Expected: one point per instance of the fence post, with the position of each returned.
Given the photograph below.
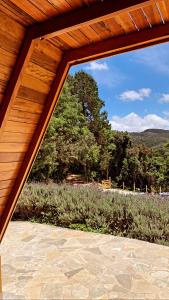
(134, 187)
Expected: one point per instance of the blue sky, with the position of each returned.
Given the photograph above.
(134, 87)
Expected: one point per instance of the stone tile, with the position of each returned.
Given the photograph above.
(47, 262)
(124, 280)
(73, 272)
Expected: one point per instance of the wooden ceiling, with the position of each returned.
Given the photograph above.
(122, 24)
(39, 41)
(28, 12)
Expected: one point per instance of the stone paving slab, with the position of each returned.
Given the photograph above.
(46, 262)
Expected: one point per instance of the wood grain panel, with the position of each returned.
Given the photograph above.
(13, 147)
(9, 166)
(6, 58)
(15, 13)
(40, 73)
(35, 84)
(86, 16)
(2, 206)
(80, 37)
(23, 117)
(6, 184)
(152, 14)
(69, 40)
(7, 25)
(101, 29)
(3, 85)
(45, 61)
(120, 44)
(11, 156)
(5, 72)
(62, 5)
(91, 33)
(164, 6)
(9, 43)
(32, 95)
(47, 7)
(114, 26)
(30, 9)
(124, 20)
(15, 79)
(27, 106)
(19, 127)
(4, 193)
(60, 43)
(46, 55)
(3, 201)
(7, 175)
(14, 137)
(37, 139)
(1, 97)
(45, 47)
(139, 19)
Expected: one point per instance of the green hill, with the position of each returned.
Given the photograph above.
(150, 137)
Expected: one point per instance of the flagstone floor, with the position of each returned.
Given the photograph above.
(47, 262)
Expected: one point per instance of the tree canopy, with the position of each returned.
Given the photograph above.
(80, 140)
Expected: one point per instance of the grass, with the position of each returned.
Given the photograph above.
(88, 209)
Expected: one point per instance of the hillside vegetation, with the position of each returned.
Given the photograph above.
(150, 137)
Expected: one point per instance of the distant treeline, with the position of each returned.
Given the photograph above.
(80, 140)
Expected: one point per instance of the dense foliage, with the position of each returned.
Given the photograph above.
(89, 209)
(80, 140)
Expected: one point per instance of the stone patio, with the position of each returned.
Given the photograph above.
(47, 262)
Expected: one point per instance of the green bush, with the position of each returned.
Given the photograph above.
(87, 208)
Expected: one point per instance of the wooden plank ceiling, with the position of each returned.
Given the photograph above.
(39, 41)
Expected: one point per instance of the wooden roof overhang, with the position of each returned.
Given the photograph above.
(39, 41)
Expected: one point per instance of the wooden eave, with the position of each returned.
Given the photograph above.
(50, 37)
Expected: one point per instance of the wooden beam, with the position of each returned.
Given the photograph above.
(35, 144)
(113, 46)
(85, 16)
(16, 77)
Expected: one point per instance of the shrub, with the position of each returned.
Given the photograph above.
(87, 208)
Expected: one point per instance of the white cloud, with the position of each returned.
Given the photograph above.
(164, 98)
(133, 95)
(97, 66)
(135, 123)
(156, 57)
(166, 113)
(106, 75)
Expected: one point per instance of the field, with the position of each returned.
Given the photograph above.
(144, 217)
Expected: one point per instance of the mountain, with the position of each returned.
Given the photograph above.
(150, 137)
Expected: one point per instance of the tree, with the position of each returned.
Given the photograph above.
(45, 163)
(80, 140)
(122, 142)
(85, 88)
